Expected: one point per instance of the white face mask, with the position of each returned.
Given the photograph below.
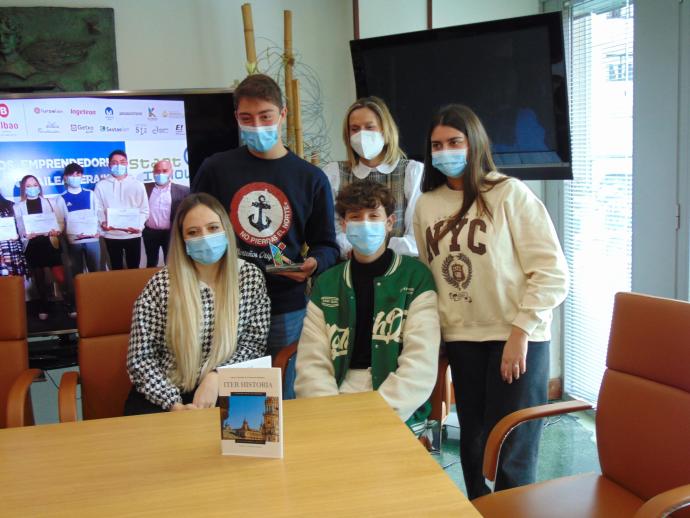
(367, 144)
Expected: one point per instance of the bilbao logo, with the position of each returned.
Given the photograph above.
(4, 110)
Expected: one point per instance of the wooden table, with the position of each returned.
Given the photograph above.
(344, 456)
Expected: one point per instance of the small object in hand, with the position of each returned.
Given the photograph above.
(282, 268)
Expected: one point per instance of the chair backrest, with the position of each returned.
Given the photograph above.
(643, 414)
(104, 317)
(14, 352)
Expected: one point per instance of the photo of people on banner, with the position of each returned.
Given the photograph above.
(85, 196)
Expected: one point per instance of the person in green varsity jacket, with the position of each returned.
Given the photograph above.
(372, 321)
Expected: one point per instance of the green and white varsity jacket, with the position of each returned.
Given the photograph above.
(405, 338)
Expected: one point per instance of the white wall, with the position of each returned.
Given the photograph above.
(460, 12)
(384, 17)
(661, 131)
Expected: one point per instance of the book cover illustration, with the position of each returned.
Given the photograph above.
(251, 412)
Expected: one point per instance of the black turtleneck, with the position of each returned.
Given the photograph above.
(363, 275)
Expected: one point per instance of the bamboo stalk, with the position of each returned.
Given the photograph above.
(289, 61)
(299, 143)
(249, 38)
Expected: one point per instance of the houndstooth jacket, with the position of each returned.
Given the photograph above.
(149, 359)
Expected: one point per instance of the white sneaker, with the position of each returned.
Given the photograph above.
(43, 316)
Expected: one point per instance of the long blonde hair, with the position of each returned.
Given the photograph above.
(391, 148)
(185, 315)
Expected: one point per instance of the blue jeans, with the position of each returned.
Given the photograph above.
(88, 253)
(286, 329)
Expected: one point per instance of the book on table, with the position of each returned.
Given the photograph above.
(251, 411)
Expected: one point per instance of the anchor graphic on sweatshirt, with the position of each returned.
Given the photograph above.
(260, 224)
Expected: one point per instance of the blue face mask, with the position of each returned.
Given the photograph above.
(74, 181)
(33, 192)
(450, 162)
(118, 170)
(207, 249)
(161, 179)
(259, 138)
(366, 236)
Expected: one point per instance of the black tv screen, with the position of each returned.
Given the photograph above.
(510, 72)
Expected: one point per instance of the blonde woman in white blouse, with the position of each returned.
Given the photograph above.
(371, 139)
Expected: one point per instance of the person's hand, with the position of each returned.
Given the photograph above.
(514, 360)
(132, 230)
(206, 393)
(180, 406)
(54, 233)
(308, 268)
(31, 235)
(81, 236)
(105, 227)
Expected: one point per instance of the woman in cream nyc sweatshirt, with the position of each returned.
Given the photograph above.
(500, 272)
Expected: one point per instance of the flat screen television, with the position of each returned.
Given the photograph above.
(41, 133)
(510, 72)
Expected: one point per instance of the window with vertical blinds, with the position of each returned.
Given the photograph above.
(598, 201)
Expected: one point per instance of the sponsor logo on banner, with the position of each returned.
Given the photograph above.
(152, 113)
(79, 112)
(50, 127)
(7, 128)
(109, 113)
(173, 114)
(43, 111)
(113, 129)
(130, 114)
(179, 129)
(160, 131)
(141, 129)
(81, 128)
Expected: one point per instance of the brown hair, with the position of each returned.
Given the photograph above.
(479, 162)
(364, 194)
(259, 86)
(22, 187)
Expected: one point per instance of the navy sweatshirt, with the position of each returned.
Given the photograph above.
(286, 202)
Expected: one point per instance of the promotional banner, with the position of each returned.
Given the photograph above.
(41, 136)
(47, 160)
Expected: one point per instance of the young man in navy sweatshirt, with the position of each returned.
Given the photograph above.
(278, 203)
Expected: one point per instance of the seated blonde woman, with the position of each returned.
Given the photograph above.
(204, 310)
